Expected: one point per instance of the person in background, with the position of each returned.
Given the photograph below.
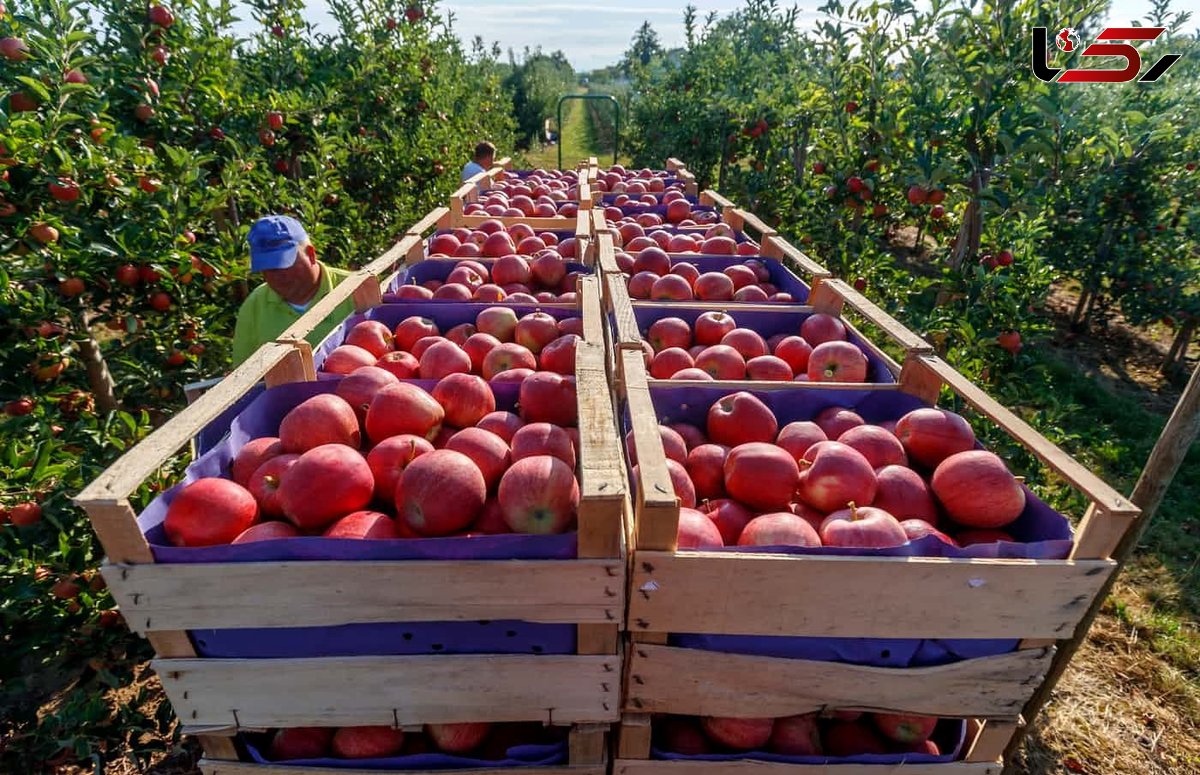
(293, 281)
(485, 154)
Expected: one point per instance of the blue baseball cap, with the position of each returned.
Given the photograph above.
(273, 242)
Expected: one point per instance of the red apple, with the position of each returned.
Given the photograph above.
(252, 455)
(505, 357)
(500, 322)
(414, 293)
(443, 358)
(769, 368)
(671, 287)
(687, 271)
(919, 528)
(440, 493)
(487, 451)
(669, 362)
(697, 531)
(264, 483)
(837, 362)
(742, 276)
(652, 259)
(443, 244)
(539, 495)
(680, 735)
(880, 447)
(761, 475)
(209, 512)
(300, 742)
(559, 355)
(327, 482)
(549, 269)
(401, 365)
(748, 343)
(742, 734)
(905, 728)
(691, 435)
(542, 438)
(641, 284)
(978, 490)
(711, 327)
(797, 437)
(266, 531)
(466, 399)
(903, 493)
(367, 742)
(424, 343)
(741, 418)
(461, 333)
(503, 424)
(363, 526)
(477, 347)
(796, 736)
(360, 386)
(837, 476)
(673, 444)
(706, 467)
(730, 517)
(796, 352)
(669, 332)
(323, 419)
(932, 435)
(403, 408)
(388, 459)
(752, 294)
(819, 328)
(514, 376)
(836, 420)
(372, 336)
(852, 739)
(409, 330)
(536, 330)
(458, 738)
(347, 358)
(714, 286)
(862, 526)
(722, 362)
(548, 397)
(779, 529)
(692, 374)
(498, 244)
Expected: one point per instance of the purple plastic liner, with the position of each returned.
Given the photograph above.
(440, 270)
(518, 756)
(1041, 533)
(445, 315)
(261, 418)
(950, 735)
(766, 323)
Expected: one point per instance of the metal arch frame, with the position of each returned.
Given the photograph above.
(602, 97)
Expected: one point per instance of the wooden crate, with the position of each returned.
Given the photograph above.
(217, 698)
(469, 192)
(1037, 602)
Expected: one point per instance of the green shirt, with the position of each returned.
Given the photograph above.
(264, 315)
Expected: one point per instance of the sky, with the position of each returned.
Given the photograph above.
(595, 36)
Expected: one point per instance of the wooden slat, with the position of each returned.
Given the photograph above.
(296, 366)
(1105, 497)
(774, 594)
(602, 468)
(628, 333)
(428, 222)
(633, 741)
(916, 380)
(732, 217)
(212, 767)
(588, 744)
(309, 594)
(124, 476)
(1100, 533)
(877, 317)
(674, 164)
(991, 741)
(710, 683)
(392, 691)
(583, 224)
(754, 222)
(115, 523)
(777, 247)
(656, 518)
(710, 197)
(749, 767)
(868, 345)
(606, 253)
(593, 310)
(219, 748)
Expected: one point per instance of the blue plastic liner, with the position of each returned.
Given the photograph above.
(765, 323)
(1040, 533)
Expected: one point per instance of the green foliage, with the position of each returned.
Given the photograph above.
(535, 86)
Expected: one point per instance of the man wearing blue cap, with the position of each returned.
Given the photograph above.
(294, 280)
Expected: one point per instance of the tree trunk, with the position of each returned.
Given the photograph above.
(1085, 293)
(99, 378)
(800, 156)
(966, 245)
(1177, 355)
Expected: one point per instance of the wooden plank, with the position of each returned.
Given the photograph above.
(296, 366)
(991, 741)
(732, 217)
(583, 224)
(710, 683)
(867, 344)
(754, 222)
(593, 310)
(1104, 496)
(606, 254)
(1100, 533)
(309, 594)
(750, 767)
(218, 748)
(674, 164)
(602, 468)
(588, 744)
(712, 198)
(116, 526)
(877, 317)
(628, 333)
(878, 597)
(392, 691)
(600, 223)
(125, 475)
(633, 741)
(777, 247)
(916, 380)
(431, 220)
(212, 767)
(656, 518)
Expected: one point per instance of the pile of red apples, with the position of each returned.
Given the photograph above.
(541, 194)
(715, 347)
(381, 458)
(499, 346)
(835, 480)
(477, 740)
